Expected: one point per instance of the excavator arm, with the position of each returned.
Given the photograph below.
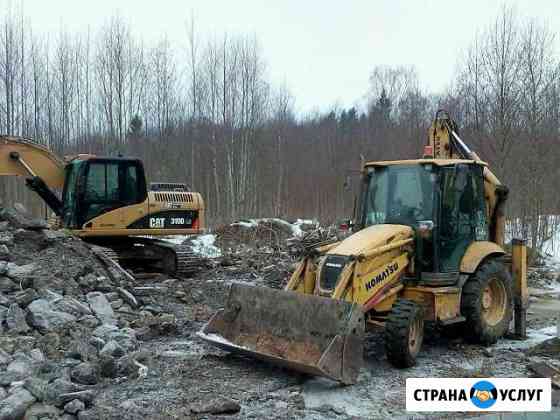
(43, 171)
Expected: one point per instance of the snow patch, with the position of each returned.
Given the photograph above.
(246, 223)
(204, 245)
(294, 227)
(534, 337)
(319, 392)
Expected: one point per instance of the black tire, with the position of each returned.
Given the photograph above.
(487, 322)
(401, 350)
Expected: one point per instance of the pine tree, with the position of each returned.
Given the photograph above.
(135, 127)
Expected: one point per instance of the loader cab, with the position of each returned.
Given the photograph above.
(443, 201)
(96, 186)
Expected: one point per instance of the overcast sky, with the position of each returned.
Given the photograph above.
(323, 50)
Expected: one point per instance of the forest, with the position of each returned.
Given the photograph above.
(209, 115)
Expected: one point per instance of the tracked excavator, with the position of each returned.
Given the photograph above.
(428, 247)
(106, 201)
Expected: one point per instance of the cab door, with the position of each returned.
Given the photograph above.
(110, 185)
(462, 213)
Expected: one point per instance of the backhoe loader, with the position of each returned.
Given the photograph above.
(428, 247)
(107, 202)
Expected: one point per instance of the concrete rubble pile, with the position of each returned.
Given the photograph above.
(69, 319)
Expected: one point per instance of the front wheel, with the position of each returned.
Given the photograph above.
(404, 333)
(487, 303)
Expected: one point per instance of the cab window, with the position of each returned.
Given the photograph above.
(110, 185)
(130, 192)
(102, 183)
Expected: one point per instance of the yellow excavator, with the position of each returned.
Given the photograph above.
(106, 201)
(428, 247)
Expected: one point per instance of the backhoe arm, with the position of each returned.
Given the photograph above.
(43, 171)
(445, 143)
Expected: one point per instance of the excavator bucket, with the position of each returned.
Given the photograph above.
(307, 333)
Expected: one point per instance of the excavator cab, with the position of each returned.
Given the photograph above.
(99, 185)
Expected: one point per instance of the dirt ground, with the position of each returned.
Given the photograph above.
(81, 340)
(185, 372)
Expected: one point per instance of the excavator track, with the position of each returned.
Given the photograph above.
(154, 255)
(187, 261)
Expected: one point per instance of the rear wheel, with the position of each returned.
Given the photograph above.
(404, 333)
(487, 303)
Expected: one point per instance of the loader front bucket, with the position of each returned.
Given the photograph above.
(307, 333)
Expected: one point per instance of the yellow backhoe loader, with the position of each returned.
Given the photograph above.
(106, 201)
(428, 247)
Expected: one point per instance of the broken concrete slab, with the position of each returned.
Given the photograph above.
(116, 304)
(86, 396)
(6, 238)
(21, 366)
(125, 337)
(73, 306)
(221, 405)
(62, 386)
(40, 411)
(4, 301)
(7, 285)
(19, 272)
(15, 319)
(112, 349)
(101, 307)
(38, 387)
(127, 297)
(85, 373)
(74, 406)
(25, 297)
(13, 407)
(5, 358)
(44, 317)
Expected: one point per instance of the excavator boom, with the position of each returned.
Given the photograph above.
(22, 157)
(43, 171)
